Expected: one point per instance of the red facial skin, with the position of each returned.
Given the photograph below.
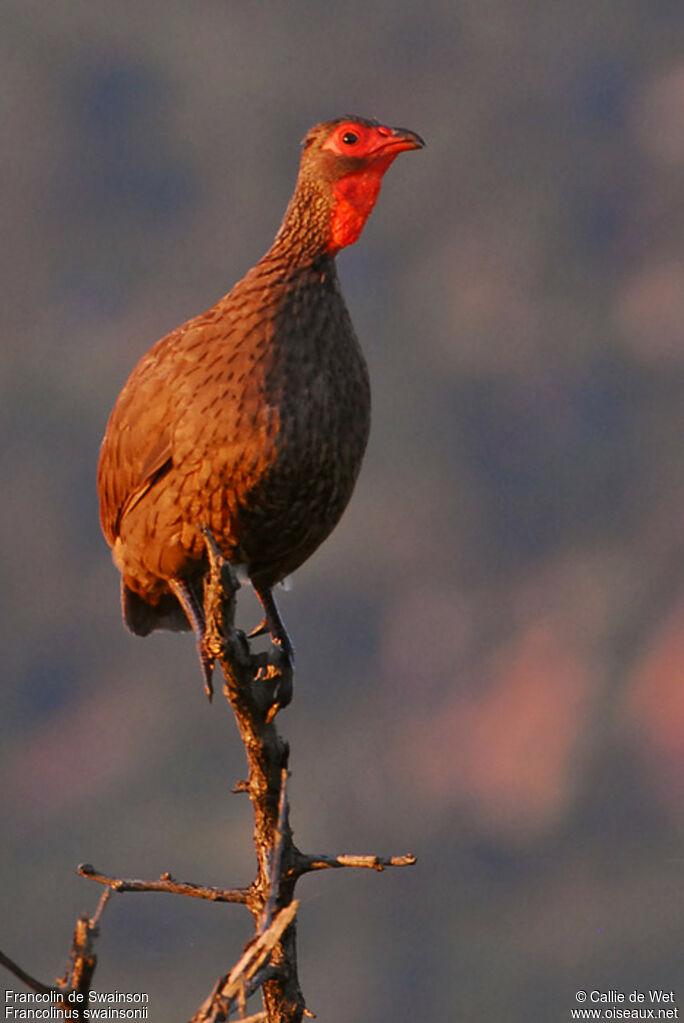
(375, 147)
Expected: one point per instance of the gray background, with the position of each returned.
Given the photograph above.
(490, 652)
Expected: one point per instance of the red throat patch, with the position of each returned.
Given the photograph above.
(355, 196)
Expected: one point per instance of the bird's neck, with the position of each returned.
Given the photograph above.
(323, 218)
(304, 235)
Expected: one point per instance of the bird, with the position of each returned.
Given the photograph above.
(250, 421)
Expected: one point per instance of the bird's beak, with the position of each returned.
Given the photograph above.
(396, 140)
(402, 138)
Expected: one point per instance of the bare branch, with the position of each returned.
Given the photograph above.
(379, 863)
(165, 883)
(104, 899)
(78, 975)
(251, 687)
(246, 976)
(24, 977)
(253, 683)
(276, 856)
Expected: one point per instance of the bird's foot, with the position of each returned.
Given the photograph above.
(218, 639)
(279, 665)
(276, 669)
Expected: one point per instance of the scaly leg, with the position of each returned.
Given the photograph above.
(195, 615)
(273, 623)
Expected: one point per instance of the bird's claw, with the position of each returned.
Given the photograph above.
(261, 629)
(207, 663)
(277, 670)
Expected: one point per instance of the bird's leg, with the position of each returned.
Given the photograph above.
(273, 623)
(195, 615)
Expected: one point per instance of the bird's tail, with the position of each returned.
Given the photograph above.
(143, 618)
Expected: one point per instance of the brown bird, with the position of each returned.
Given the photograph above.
(252, 418)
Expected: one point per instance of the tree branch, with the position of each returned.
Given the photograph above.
(252, 684)
(379, 863)
(165, 883)
(251, 687)
(276, 857)
(247, 975)
(78, 976)
(24, 977)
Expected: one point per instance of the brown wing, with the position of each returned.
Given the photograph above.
(137, 442)
(191, 396)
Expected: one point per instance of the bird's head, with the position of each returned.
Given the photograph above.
(344, 161)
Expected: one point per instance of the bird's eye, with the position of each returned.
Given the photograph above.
(350, 138)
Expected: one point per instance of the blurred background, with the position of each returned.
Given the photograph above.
(491, 646)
